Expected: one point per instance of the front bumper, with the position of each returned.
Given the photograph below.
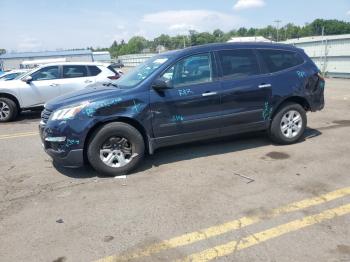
(67, 156)
(74, 158)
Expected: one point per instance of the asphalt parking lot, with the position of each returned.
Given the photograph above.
(235, 199)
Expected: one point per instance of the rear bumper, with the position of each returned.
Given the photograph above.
(317, 106)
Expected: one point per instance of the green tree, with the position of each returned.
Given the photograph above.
(219, 35)
(138, 43)
(163, 40)
(242, 31)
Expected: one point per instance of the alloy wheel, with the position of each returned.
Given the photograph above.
(4, 110)
(291, 124)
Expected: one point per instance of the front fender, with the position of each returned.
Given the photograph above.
(12, 93)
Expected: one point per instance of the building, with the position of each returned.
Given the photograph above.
(161, 49)
(102, 56)
(10, 61)
(330, 53)
(249, 39)
(134, 59)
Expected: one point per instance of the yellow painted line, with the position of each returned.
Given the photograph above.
(216, 230)
(255, 239)
(16, 135)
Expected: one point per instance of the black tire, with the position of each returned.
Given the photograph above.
(115, 129)
(10, 107)
(275, 131)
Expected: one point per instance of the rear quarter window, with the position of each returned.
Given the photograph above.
(94, 70)
(278, 60)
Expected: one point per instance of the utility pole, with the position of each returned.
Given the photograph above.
(285, 33)
(324, 43)
(277, 26)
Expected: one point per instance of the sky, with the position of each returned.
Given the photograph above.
(37, 25)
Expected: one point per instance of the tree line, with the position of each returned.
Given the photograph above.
(137, 44)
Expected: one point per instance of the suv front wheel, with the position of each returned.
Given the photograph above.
(8, 109)
(288, 124)
(115, 149)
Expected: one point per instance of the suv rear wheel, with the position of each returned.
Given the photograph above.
(8, 109)
(115, 149)
(289, 124)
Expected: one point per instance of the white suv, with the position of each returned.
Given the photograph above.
(35, 88)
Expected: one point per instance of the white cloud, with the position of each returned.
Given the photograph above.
(179, 21)
(29, 44)
(183, 26)
(247, 4)
(348, 13)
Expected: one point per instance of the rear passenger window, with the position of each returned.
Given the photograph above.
(238, 63)
(277, 60)
(94, 70)
(73, 71)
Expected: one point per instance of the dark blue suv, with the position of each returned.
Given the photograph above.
(181, 96)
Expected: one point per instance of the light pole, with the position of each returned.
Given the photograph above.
(277, 26)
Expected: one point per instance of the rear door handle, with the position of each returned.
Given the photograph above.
(88, 81)
(209, 94)
(54, 84)
(264, 85)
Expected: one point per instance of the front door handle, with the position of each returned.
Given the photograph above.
(54, 84)
(88, 81)
(209, 94)
(264, 85)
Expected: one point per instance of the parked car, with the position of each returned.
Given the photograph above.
(11, 75)
(181, 96)
(46, 82)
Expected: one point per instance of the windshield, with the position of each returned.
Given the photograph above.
(141, 72)
(26, 73)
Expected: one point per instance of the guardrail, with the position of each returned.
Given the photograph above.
(134, 59)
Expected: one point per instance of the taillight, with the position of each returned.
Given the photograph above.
(115, 77)
(320, 76)
(321, 81)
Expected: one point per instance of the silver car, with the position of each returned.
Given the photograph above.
(35, 88)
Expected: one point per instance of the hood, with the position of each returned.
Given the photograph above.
(12, 84)
(91, 93)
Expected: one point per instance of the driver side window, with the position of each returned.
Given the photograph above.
(191, 70)
(46, 73)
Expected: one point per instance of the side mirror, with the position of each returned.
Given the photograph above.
(161, 84)
(27, 79)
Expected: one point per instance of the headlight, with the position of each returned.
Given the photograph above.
(68, 112)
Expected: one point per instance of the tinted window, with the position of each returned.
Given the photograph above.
(191, 70)
(46, 73)
(94, 70)
(238, 63)
(277, 60)
(73, 71)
